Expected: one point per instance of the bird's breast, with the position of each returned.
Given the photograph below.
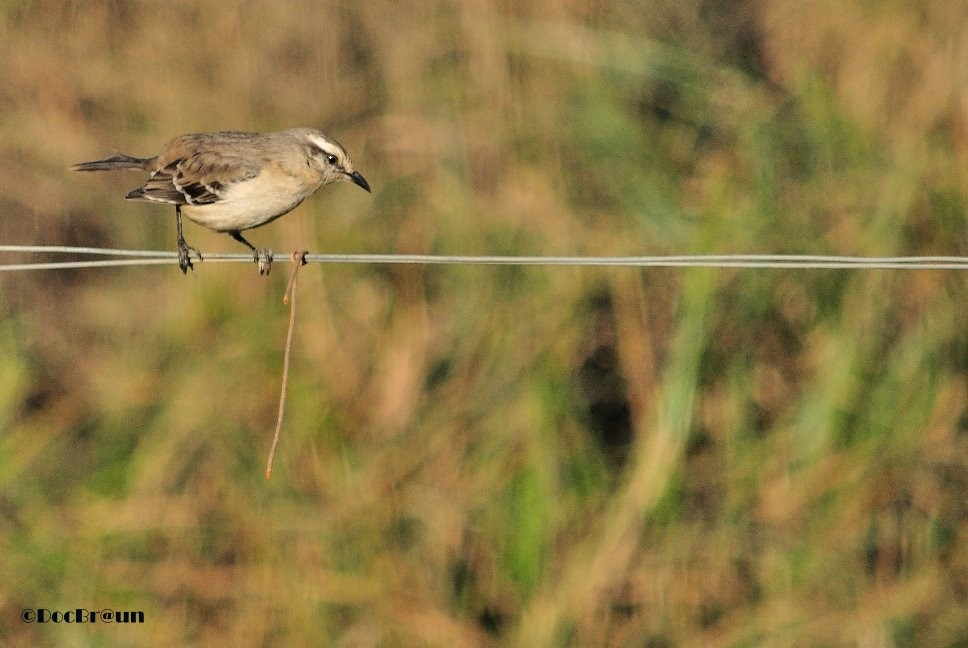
(252, 203)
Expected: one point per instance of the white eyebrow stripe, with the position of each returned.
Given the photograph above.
(325, 145)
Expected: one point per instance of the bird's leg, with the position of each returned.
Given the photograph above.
(261, 256)
(184, 249)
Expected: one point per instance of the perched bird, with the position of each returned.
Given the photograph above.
(232, 181)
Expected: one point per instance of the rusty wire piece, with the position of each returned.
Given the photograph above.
(298, 260)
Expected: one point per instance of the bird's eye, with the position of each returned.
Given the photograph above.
(331, 159)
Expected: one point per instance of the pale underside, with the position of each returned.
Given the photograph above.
(228, 192)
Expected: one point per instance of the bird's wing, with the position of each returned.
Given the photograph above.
(201, 177)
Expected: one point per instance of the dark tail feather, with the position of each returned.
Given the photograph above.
(119, 161)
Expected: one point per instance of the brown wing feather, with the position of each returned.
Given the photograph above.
(198, 169)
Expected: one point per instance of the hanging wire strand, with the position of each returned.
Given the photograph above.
(778, 261)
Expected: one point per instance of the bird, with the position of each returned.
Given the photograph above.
(231, 181)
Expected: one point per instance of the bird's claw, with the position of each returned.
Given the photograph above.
(184, 256)
(264, 258)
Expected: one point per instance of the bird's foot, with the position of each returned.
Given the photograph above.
(184, 256)
(264, 258)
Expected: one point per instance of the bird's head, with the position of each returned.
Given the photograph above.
(330, 160)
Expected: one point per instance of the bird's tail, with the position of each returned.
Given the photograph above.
(119, 161)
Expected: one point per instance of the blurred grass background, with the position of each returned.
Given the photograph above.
(496, 456)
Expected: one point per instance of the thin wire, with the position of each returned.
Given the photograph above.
(777, 261)
(716, 261)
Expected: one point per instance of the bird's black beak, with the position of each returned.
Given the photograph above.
(359, 180)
